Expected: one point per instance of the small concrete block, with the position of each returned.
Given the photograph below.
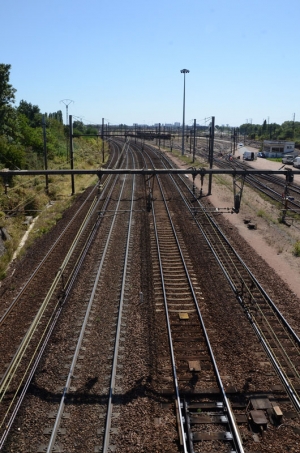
(183, 315)
(256, 438)
(157, 421)
(194, 365)
(277, 413)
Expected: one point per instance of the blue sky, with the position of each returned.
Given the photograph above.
(121, 60)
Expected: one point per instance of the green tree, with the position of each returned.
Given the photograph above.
(12, 155)
(7, 98)
(32, 112)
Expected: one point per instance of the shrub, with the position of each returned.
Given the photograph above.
(296, 249)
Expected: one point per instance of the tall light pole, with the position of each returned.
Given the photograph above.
(183, 71)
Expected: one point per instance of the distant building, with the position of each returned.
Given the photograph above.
(177, 124)
(277, 148)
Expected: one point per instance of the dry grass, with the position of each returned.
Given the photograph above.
(28, 196)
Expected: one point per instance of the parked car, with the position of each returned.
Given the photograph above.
(260, 154)
(296, 162)
(288, 159)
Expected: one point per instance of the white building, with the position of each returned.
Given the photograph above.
(277, 148)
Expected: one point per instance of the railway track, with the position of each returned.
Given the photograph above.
(105, 380)
(277, 189)
(39, 317)
(114, 325)
(189, 344)
(279, 339)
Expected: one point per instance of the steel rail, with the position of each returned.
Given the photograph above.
(59, 306)
(54, 314)
(234, 430)
(118, 329)
(211, 220)
(55, 245)
(48, 254)
(287, 385)
(51, 444)
(179, 404)
(16, 361)
(257, 184)
(8, 375)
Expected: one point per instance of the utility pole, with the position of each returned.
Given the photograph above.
(294, 126)
(183, 71)
(159, 136)
(67, 102)
(194, 147)
(211, 152)
(71, 153)
(234, 136)
(45, 151)
(102, 136)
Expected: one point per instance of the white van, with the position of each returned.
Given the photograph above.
(296, 162)
(249, 155)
